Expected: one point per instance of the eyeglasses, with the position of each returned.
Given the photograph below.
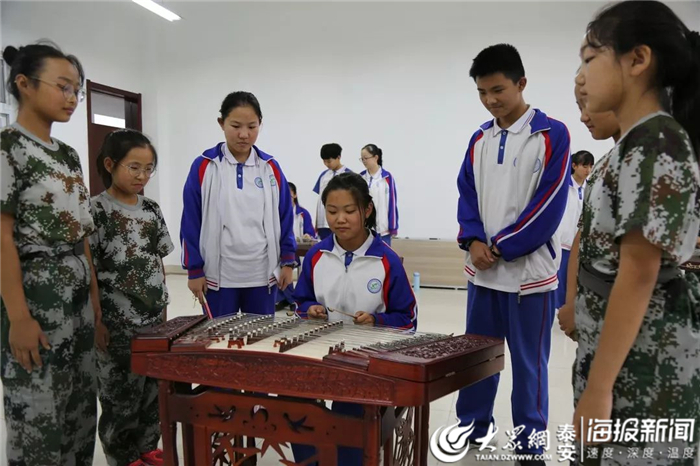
(68, 89)
(367, 158)
(135, 171)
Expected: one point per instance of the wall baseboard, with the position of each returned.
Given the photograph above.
(439, 262)
(175, 270)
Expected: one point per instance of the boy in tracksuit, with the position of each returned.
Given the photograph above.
(513, 189)
(331, 155)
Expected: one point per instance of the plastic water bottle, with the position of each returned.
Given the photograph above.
(416, 281)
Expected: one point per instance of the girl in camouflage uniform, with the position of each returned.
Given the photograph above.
(128, 247)
(637, 315)
(47, 339)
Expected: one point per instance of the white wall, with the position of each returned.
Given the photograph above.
(394, 74)
(106, 37)
(6, 107)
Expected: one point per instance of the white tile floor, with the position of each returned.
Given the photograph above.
(441, 311)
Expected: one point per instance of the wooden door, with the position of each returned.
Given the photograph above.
(97, 132)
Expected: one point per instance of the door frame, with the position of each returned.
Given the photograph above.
(133, 117)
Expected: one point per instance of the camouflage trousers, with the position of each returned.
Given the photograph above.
(660, 378)
(51, 412)
(129, 424)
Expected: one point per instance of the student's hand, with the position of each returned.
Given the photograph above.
(481, 255)
(25, 337)
(566, 320)
(285, 277)
(198, 287)
(317, 312)
(594, 404)
(363, 318)
(101, 336)
(307, 237)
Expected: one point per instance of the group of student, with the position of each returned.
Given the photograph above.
(382, 188)
(79, 273)
(241, 219)
(622, 235)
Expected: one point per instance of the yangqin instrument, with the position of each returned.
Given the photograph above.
(269, 377)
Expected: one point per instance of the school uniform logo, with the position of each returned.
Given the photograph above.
(258, 182)
(273, 181)
(538, 166)
(374, 286)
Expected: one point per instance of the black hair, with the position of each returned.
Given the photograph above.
(293, 187)
(240, 99)
(359, 190)
(626, 25)
(331, 151)
(116, 145)
(582, 157)
(29, 61)
(374, 150)
(499, 58)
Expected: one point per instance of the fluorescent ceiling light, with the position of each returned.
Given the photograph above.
(157, 9)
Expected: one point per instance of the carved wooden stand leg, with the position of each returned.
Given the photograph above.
(187, 445)
(404, 439)
(215, 423)
(422, 432)
(167, 428)
(372, 435)
(401, 440)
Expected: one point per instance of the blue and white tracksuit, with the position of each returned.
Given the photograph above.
(513, 189)
(382, 188)
(303, 225)
(204, 218)
(324, 178)
(567, 233)
(371, 279)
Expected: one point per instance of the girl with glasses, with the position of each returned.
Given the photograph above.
(128, 250)
(47, 359)
(382, 187)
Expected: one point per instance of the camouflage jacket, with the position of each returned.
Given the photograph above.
(128, 247)
(42, 187)
(649, 181)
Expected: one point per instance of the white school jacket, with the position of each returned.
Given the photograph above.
(374, 282)
(513, 189)
(574, 207)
